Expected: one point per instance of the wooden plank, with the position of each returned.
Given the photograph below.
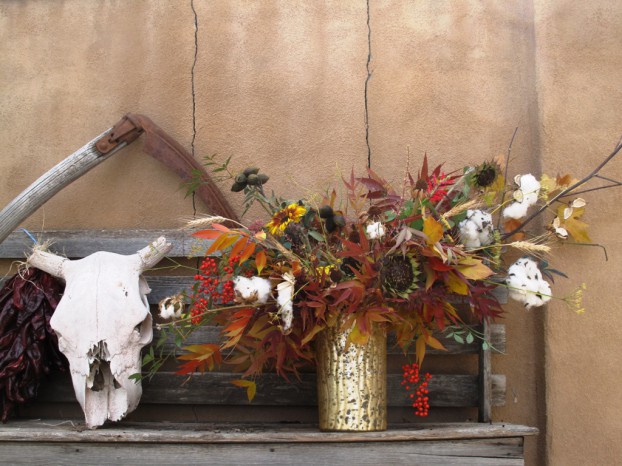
(446, 390)
(210, 334)
(35, 430)
(447, 453)
(80, 243)
(485, 378)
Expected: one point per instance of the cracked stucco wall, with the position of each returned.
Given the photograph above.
(308, 89)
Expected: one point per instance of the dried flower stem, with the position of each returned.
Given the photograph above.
(566, 191)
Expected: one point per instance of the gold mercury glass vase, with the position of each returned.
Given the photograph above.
(352, 383)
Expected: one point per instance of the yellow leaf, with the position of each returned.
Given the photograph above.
(433, 230)
(575, 227)
(434, 343)
(357, 337)
(456, 284)
(474, 269)
(251, 387)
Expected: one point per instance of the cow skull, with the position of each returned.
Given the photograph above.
(102, 323)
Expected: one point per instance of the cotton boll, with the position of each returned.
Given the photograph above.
(255, 290)
(527, 285)
(476, 229)
(516, 210)
(526, 196)
(285, 296)
(375, 230)
(171, 307)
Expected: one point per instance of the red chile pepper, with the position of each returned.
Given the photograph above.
(28, 345)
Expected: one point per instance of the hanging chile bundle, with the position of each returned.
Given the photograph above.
(28, 345)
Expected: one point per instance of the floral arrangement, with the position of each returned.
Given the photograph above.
(420, 260)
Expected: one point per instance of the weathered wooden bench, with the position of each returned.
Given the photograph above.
(207, 419)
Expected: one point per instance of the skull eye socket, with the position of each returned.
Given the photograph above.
(144, 330)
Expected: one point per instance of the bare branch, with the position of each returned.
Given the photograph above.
(567, 191)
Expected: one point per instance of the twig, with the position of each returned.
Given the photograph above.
(566, 191)
(505, 174)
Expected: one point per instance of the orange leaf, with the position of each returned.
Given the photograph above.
(217, 245)
(218, 226)
(511, 225)
(420, 349)
(239, 246)
(434, 343)
(247, 252)
(207, 234)
(251, 387)
(260, 261)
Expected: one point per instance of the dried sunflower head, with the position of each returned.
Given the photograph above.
(399, 274)
(486, 174)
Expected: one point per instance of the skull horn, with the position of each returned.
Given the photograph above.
(48, 262)
(152, 254)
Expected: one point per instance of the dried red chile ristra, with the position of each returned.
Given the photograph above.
(28, 345)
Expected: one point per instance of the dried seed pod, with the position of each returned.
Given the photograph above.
(241, 178)
(340, 221)
(326, 211)
(237, 187)
(250, 171)
(252, 179)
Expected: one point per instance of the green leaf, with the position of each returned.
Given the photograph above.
(459, 339)
(316, 235)
(469, 338)
(485, 345)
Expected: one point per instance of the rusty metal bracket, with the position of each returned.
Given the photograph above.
(125, 130)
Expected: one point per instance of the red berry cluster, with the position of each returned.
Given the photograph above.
(214, 288)
(411, 381)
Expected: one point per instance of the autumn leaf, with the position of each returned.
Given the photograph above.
(207, 234)
(575, 227)
(358, 337)
(456, 284)
(200, 357)
(473, 269)
(260, 261)
(251, 387)
(434, 343)
(420, 349)
(511, 225)
(433, 230)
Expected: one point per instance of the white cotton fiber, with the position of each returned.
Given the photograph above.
(252, 290)
(476, 229)
(526, 196)
(526, 284)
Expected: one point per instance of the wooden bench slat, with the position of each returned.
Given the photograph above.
(54, 430)
(210, 334)
(81, 243)
(446, 390)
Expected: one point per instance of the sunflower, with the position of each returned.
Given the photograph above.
(399, 274)
(292, 213)
(486, 174)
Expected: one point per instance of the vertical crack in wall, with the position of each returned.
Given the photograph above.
(194, 104)
(367, 79)
(194, 64)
